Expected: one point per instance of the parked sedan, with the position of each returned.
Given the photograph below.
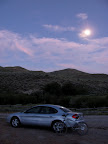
(47, 115)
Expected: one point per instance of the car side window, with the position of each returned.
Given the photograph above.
(65, 109)
(52, 110)
(48, 110)
(34, 110)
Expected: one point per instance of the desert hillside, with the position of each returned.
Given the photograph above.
(22, 80)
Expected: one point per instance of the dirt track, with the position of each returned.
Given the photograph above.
(98, 133)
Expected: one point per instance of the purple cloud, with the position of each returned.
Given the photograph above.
(82, 16)
(57, 53)
(13, 41)
(58, 28)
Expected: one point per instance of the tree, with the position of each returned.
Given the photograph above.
(68, 89)
(53, 88)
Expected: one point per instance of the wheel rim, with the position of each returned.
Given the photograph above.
(15, 122)
(59, 127)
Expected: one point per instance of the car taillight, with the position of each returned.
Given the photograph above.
(75, 116)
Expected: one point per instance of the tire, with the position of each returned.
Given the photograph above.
(59, 127)
(82, 128)
(15, 122)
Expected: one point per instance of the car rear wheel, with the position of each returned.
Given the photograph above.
(15, 122)
(59, 127)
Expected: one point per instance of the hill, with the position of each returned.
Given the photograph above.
(12, 69)
(21, 80)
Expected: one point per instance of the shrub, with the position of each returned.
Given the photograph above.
(80, 89)
(71, 89)
(65, 101)
(53, 88)
(68, 89)
(91, 101)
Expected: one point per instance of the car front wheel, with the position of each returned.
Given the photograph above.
(15, 122)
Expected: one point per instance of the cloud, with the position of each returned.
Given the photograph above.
(82, 16)
(13, 42)
(100, 54)
(58, 28)
(47, 54)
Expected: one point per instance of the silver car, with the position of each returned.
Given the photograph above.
(55, 116)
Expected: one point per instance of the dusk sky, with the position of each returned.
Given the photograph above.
(51, 35)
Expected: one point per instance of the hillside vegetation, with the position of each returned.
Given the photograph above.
(65, 86)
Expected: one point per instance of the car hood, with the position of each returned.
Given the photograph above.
(15, 114)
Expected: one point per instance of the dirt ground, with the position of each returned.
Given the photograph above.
(97, 134)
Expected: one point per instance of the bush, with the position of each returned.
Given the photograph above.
(51, 99)
(107, 97)
(65, 101)
(71, 89)
(68, 89)
(53, 88)
(80, 89)
(15, 98)
(81, 102)
(91, 102)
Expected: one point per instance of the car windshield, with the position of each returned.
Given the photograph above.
(65, 109)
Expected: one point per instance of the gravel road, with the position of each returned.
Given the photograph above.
(97, 134)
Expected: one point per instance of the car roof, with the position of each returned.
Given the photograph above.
(50, 105)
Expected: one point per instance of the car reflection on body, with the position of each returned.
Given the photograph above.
(48, 115)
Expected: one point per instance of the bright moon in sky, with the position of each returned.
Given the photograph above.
(87, 32)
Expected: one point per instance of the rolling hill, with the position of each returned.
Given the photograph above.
(22, 80)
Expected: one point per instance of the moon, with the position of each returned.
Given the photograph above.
(87, 32)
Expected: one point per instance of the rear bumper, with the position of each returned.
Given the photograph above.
(71, 123)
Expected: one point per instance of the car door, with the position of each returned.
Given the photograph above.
(31, 116)
(46, 115)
